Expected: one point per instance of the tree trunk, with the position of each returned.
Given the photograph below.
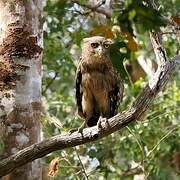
(20, 81)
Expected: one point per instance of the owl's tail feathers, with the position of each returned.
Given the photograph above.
(93, 120)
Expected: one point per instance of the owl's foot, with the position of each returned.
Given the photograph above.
(102, 121)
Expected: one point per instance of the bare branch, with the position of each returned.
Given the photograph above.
(82, 165)
(115, 123)
(95, 8)
(159, 50)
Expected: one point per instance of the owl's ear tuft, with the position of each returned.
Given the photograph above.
(85, 40)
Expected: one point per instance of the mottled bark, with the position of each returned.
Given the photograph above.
(20, 80)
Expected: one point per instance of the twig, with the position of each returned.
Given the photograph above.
(94, 8)
(132, 172)
(141, 148)
(50, 82)
(84, 169)
(74, 167)
(169, 32)
(162, 139)
(160, 115)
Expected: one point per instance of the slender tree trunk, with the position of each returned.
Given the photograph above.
(20, 81)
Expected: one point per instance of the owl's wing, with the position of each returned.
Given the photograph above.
(116, 95)
(78, 91)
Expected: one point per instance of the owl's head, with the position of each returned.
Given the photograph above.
(97, 46)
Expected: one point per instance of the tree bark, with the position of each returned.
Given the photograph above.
(20, 81)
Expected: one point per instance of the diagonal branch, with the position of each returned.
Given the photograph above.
(115, 123)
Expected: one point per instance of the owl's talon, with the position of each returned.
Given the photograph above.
(80, 129)
(100, 121)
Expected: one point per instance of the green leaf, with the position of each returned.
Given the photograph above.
(118, 57)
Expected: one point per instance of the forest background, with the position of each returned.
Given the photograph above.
(146, 149)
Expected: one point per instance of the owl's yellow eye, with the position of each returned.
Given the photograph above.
(94, 45)
(106, 46)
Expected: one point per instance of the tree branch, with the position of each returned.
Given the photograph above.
(115, 123)
(132, 172)
(169, 21)
(108, 14)
(95, 8)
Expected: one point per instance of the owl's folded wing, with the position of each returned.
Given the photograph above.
(116, 96)
(79, 92)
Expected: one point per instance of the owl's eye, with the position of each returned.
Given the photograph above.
(94, 45)
(106, 46)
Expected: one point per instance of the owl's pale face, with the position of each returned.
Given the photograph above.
(98, 46)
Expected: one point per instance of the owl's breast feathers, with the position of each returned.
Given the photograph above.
(98, 77)
(93, 65)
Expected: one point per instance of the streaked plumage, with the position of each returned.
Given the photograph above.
(99, 88)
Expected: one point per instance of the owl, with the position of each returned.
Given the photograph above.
(99, 88)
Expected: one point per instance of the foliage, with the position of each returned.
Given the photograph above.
(149, 143)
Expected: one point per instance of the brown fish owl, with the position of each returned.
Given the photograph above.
(99, 88)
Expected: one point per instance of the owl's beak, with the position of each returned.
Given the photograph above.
(100, 51)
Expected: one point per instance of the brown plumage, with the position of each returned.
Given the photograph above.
(99, 88)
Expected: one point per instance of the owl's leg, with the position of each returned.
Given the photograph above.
(80, 129)
(87, 105)
(83, 125)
